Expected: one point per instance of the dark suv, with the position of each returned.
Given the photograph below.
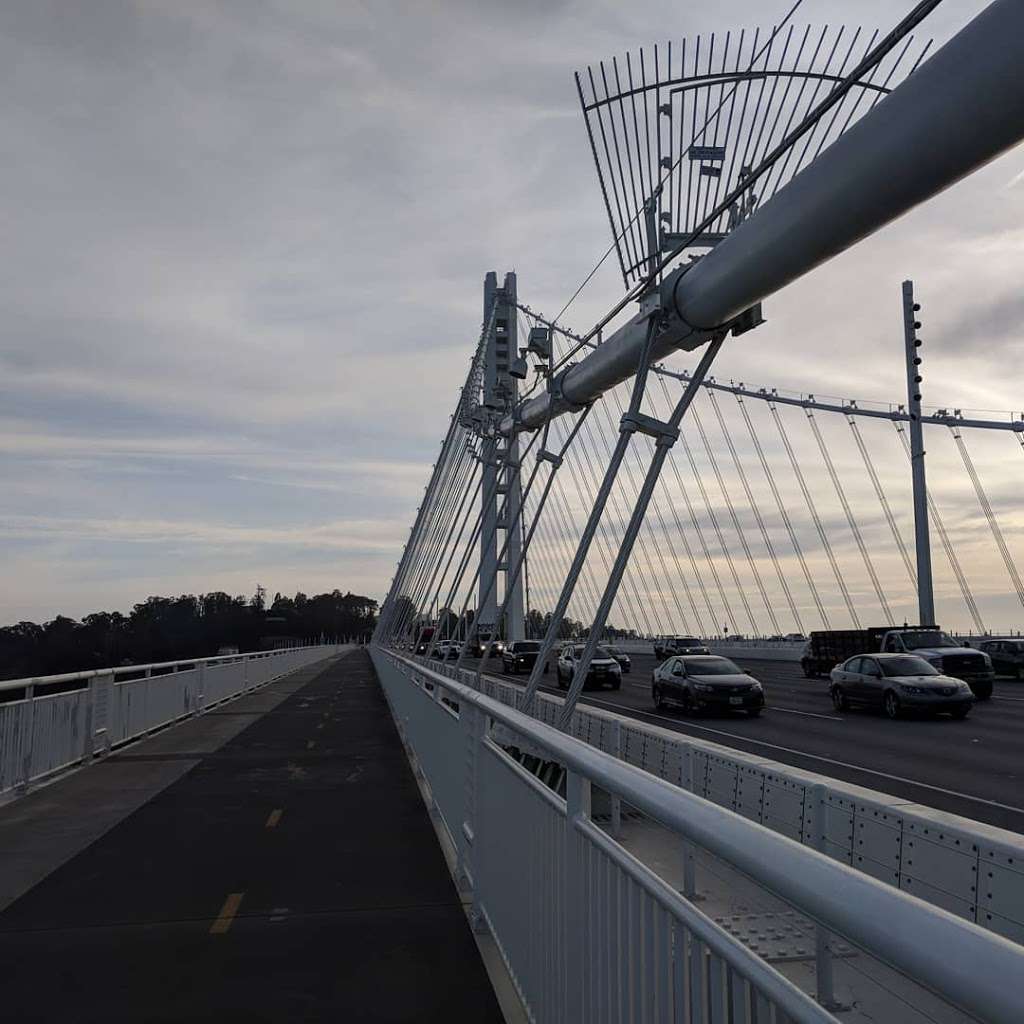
(519, 656)
(1007, 656)
(670, 646)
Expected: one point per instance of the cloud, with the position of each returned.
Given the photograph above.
(244, 256)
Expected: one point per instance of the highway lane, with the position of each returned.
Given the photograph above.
(973, 767)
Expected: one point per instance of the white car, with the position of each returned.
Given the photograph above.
(446, 650)
(604, 669)
(897, 683)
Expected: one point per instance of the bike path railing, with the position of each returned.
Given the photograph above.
(590, 933)
(51, 723)
(969, 868)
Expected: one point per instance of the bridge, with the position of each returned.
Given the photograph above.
(492, 811)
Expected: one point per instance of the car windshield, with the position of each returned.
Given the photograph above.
(711, 667)
(527, 645)
(907, 667)
(607, 652)
(688, 641)
(915, 639)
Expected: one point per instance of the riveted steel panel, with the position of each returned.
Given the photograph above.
(1009, 929)
(750, 792)
(878, 838)
(1001, 888)
(935, 860)
(883, 872)
(939, 897)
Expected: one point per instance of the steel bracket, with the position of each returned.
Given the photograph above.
(664, 433)
(546, 456)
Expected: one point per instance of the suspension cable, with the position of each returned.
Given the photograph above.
(986, 507)
(741, 593)
(813, 510)
(883, 501)
(940, 526)
(850, 519)
(783, 513)
(765, 536)
(741, 536)
(712, 568)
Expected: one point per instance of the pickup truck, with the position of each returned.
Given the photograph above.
(828, 648)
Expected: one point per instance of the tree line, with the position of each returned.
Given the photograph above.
(449, 623)
(189, 626)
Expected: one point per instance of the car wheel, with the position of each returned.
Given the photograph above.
(687, 703)
(961, 713)
(839, 700)
(658, 697)
(617, 685)
(892, 705)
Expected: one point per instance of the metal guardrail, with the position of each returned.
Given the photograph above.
(971, 869)
(43, 732)
(590, 933)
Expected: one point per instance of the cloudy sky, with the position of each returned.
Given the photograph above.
(243, 252)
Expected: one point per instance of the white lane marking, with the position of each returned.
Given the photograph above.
(769, 708)
(817, 757)
(809, 714)
(1016, 700)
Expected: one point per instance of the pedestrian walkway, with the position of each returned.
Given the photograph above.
(292, 874)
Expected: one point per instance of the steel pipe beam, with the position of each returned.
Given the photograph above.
(958, 111)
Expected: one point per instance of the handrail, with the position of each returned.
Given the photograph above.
(92, 673)
(955, 958)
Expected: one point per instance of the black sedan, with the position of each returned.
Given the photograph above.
(706, 683)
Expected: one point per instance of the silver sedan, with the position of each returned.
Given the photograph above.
(897, 683)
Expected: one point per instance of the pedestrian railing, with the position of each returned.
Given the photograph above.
(50, 723)
(589, 933)
(971, 869)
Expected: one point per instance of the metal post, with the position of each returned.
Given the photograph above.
(925, 594)
(689, 850)
(577, 807)
(616, 799)
(514, 616)
(666, 435)
(487, 605)
(825, 990)
(587, 537)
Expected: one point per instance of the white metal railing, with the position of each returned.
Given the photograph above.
(937, 856)
(58, 721)
(589, 933)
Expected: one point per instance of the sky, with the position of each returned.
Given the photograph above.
(243, 250)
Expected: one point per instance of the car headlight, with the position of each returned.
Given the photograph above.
(703, 687)
(907, 688)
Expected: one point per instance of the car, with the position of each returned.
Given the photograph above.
(705, 682)
(795, 638)
(666, 646)
(1007, 656)
(604, 669)
(624, 660)
(898, 683)
(486, 646)
(519, 656)
(445, 650)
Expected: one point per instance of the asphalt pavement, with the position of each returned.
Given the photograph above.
(974, 767)
(292, 874)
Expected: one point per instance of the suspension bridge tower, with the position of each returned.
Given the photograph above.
(502, 488)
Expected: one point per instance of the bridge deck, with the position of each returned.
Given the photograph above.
(291, 874)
